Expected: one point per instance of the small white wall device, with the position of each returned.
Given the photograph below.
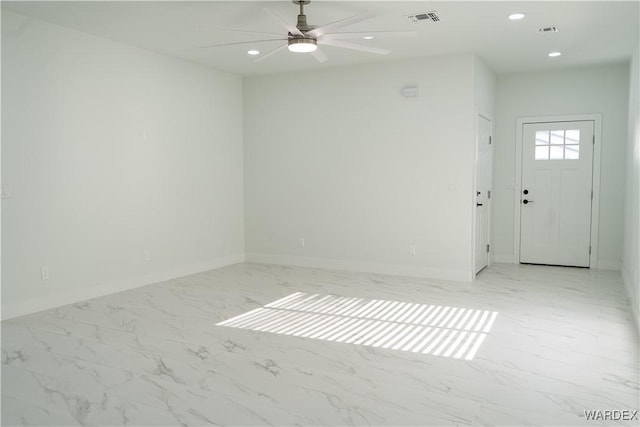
(410, 91)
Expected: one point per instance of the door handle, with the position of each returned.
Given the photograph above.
(479, 204)
(525, 201)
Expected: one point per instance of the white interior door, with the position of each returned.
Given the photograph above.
(483, 193)
(556, 193)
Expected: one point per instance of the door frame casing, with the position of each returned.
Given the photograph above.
(595, 203)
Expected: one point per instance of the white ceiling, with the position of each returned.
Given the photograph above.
(590, 32)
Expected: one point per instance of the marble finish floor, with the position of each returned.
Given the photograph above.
(562, 342)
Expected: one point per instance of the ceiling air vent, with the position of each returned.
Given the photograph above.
(544, 30)
(426, 16)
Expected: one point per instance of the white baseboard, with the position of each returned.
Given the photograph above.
(22, 308)
(503, 258)
(367, 267)
(604, 264)
(633, 296)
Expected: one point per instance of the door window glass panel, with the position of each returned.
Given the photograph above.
(542, 153)
(542, 137)
(557, 145)
(572, 136)
(557, 137)
(557, 152)
(572, 152)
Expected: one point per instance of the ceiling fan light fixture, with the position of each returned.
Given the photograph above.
(302, 45)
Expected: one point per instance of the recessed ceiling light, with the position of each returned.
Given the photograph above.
(367, 37)
(253, 52)
(516, 16)
(554, 54)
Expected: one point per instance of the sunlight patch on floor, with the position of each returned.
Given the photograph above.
(419, 328)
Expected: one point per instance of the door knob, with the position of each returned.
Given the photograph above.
(525, 201)
(526, 191)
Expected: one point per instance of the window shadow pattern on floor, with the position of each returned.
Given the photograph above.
(419, 328)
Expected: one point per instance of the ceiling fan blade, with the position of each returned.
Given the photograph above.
(284, 21)
(230, 30)
(376, 34)
(319, 55)
(271, 52)
(238, 43)
(339, 24)
(338, 43)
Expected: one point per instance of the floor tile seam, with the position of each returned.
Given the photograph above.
(136, 310)
(159, 338)
(134, 370)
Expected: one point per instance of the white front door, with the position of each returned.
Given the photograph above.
(483, 193)
(556, 193)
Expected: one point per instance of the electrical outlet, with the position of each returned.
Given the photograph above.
(412, 250)
(44, 273)
(147, 256)
(301, 242)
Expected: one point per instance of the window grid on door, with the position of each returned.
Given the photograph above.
(563, 144)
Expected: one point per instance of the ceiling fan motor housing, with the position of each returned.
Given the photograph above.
(302, 23)
(302, 18)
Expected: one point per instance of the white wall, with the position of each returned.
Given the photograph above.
(485, 88)
(88, 194)
(598, 89)
(631, 255)
(340, 158)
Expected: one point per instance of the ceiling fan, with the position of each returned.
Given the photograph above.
(305, 38)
